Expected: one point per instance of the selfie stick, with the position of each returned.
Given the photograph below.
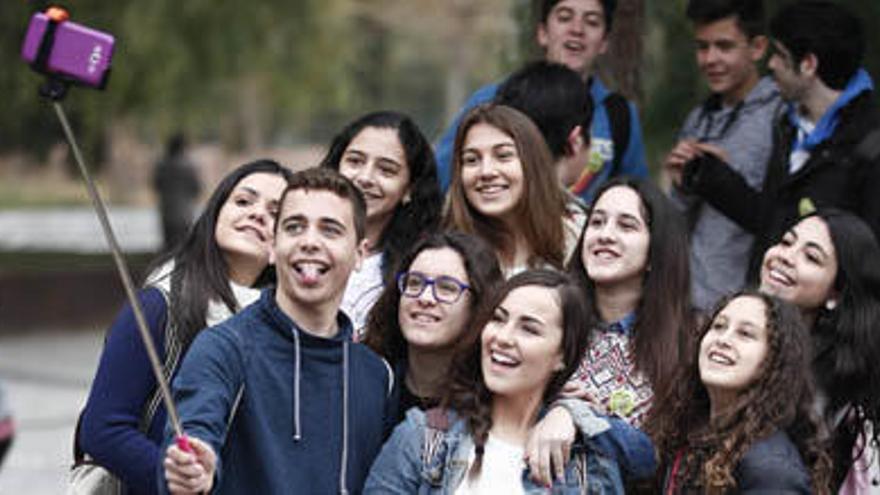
(55, 90)
(124, 274)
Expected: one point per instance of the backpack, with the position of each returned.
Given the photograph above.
(619, 120)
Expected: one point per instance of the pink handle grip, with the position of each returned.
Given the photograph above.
(183, 444)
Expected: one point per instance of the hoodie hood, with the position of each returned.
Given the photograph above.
(825, 127)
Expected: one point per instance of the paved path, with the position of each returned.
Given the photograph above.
(47, 376)
(77, 229)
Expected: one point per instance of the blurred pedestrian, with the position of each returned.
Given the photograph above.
(177, 183)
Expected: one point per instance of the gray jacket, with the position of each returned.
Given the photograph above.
(720, 249)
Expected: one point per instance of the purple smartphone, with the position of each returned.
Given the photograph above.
(76, 53)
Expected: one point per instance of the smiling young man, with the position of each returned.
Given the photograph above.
(574, 33)
(737, 119)
(825, 151)
(277, 398)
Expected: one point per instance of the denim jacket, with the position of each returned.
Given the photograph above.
(419, 459)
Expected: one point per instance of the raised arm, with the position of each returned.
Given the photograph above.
(205, 389)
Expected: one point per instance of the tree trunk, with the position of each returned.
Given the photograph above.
(621, 67)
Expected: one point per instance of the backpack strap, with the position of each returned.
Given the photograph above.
(619, 119)
(173, 347)
(169, 364)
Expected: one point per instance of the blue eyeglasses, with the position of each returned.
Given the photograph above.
(445, 289)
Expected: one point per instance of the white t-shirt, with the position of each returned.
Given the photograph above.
(502, 470)
(362, 291)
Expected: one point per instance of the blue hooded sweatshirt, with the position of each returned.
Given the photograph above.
(313, 411)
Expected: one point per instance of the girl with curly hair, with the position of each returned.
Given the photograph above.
(391, 162)
(740, 418)
(416, 323)
(530, 339)
(505, 189)
(828, 265)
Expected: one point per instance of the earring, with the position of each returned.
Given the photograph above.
(406, 199)
(831, 305)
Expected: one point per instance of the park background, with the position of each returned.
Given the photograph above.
(243, 80)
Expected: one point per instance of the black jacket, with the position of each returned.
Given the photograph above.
(835, 175)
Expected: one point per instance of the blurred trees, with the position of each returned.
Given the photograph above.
(272, 71)
(283, 72)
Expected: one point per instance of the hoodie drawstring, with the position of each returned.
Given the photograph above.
(343, 471)
(297, 432)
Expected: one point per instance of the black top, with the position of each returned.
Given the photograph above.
(408, 400)
(836, 175)
(772, 466)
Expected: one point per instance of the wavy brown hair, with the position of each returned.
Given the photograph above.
(781, 399)
(540, 209)
(467, 393)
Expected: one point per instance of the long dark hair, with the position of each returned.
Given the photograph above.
(664, 322)
(467, 393)
(201, 273)
(781, 398)
(423, 211)
(542, 205)
(846, 339)
(383, 323)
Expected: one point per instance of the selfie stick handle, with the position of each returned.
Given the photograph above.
(101, 210)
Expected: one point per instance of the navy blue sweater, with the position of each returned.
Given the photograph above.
(313, 413)
(123, 383)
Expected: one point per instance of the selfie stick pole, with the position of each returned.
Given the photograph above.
(101, 210)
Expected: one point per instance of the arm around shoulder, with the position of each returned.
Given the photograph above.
(725, 189)
(206, 388)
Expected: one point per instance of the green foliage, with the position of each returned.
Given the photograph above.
(296, 70)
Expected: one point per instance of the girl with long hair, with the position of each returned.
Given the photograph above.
(505, 189)
(416, 323)
(828, 265)
(214, 272)
(632, 262)
(740, 417)
(392, 163)
(528, 338)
